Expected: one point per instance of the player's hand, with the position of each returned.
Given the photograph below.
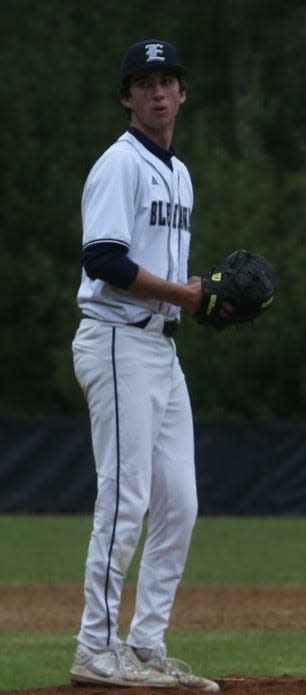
(195, 284)
(226, 309)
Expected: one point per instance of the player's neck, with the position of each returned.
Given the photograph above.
(162, 137)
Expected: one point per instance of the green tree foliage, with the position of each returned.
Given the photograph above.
(242, 132)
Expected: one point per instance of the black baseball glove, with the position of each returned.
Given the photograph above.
(245, 280)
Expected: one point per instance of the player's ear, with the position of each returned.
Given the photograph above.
(126, 101)
(183, 96)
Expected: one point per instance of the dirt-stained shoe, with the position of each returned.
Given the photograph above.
(116, 666)
(158, 660)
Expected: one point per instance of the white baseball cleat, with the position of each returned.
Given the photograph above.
(117, 665)
(158, 659)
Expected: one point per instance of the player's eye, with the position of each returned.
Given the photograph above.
(143, 84)
(168, 80)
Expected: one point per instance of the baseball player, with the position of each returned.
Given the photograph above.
(136, 208)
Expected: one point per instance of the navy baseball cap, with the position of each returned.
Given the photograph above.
(152, 53)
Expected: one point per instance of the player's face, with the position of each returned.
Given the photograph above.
(154, 100)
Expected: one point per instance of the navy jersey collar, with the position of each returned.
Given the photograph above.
(157, 150)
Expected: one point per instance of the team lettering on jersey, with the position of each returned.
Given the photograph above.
(162, 214)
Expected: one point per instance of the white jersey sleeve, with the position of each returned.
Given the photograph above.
(108, 200)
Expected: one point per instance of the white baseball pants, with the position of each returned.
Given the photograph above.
(142, 436)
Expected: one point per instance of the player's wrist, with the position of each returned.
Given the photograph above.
(193, 294)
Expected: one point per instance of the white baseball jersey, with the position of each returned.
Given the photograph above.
(131, 197)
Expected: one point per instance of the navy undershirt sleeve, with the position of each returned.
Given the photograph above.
(109, 262)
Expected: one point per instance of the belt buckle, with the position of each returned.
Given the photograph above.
(170, 328)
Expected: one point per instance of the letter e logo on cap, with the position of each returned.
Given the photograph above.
(154, 51)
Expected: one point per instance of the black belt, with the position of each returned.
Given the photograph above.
(170, 327)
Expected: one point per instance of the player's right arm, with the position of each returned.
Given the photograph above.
(110, 262)
(149, 286)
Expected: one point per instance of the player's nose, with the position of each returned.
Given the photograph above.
(158, 89)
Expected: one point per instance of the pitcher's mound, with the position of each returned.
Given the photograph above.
(233, 685)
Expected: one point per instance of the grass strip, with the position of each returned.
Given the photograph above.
(32, 660)
(52, 549)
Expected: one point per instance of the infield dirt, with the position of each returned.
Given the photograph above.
(233, 686)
